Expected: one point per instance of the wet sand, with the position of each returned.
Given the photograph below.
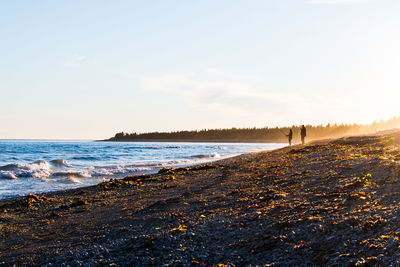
(324, 203)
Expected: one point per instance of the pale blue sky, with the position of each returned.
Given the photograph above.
(89, 69)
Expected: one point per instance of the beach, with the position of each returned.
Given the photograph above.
(324, 203)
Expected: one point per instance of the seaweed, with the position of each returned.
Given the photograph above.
(359, 182)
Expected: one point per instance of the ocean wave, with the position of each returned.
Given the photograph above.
(57, 169)
(60, 169)
(86, 158)
(202, 156)
(151, 147)
(7, 175)
(73, 174)
(40, 169)
(59, 163)
(120, 169)
(37, 169)
(71, 180)
(220, 147)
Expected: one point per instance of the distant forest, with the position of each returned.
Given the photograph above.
(266, 134)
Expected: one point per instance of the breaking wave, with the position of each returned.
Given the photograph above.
(59, 162)
(214, 155)
(59, 168)
(37, 169)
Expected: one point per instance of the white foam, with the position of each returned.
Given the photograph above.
(215, 155)
(7, 175)
(38, 169)
(73, 180)
(73, 173)
(59, 163)
(118, 169)
(220, 147)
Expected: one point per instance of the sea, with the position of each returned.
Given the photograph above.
(39, 166)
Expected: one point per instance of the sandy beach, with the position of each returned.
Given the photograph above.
(324, 203)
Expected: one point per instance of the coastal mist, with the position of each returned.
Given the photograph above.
(43, 166)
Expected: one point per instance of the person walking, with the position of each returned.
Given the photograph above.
(303, 133)
(290, 136)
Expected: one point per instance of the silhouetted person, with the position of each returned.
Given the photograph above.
(290, 136)
(303, 133)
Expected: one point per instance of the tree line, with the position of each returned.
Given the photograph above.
(264, 134)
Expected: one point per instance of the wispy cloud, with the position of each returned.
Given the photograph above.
(242, 99)
(336, 1)
(76, 60)
(224, 93)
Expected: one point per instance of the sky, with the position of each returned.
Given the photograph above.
(87, 69)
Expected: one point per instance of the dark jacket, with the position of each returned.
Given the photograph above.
(303, 131)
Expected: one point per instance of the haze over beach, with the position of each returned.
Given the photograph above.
(212, 133)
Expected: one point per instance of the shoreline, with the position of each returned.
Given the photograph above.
(324, 203)
(86, 175)
(150, 172)
(195, 141)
